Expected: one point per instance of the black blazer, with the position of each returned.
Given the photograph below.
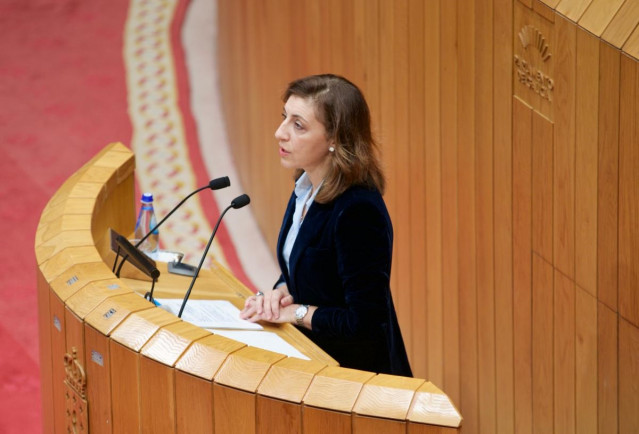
(341, 262)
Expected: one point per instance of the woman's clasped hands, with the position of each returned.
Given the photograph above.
(274, 305)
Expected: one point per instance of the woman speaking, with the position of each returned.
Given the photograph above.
(336, 240)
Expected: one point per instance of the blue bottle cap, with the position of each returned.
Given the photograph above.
(147, 197)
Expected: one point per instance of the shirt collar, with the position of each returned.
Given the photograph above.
(303, 185)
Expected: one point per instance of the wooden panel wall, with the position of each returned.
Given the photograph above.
(516, 210)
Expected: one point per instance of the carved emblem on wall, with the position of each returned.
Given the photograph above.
(77, 414)
(530, 35)
(527, 68)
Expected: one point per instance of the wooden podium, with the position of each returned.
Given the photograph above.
(112, 362)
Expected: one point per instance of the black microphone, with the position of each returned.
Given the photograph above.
(214, 184)
(236, 203)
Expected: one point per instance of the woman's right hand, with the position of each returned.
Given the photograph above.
(267, 305)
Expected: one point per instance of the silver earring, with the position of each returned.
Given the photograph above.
(331, 149)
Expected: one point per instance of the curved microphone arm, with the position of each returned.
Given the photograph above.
(197, 272)
(236, 203)
(214, 184)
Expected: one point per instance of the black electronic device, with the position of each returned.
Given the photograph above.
(182, 268)
(138, 259)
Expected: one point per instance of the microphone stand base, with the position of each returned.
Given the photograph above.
(182, 268)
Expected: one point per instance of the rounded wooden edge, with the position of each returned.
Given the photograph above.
(387, 396)
(205, 356)
(432, 406)
(246, 368)
(171, 341)
(289, 379)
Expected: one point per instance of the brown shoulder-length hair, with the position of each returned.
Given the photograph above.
(342, 109)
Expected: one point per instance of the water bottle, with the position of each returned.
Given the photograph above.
(146, 221)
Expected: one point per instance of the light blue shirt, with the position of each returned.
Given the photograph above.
(303, 190)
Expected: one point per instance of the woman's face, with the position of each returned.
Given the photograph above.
(302, 139)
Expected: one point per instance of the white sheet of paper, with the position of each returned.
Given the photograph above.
(220, 314)
(262, 339)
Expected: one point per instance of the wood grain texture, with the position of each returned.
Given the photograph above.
(607, 369)
(336, 388)
(432, 221)
(631, 47)
(74, 335)
(64, 223)
(136, 330)
(388, 118)
(484, 215)
(542, 187)
(157, 397)
(92, 295)
(586, 362)
(522, 265)
(193, 415)
(503, 216)
(387, 396)
(57, 318)
(205, 356)
(450, 122)
(45, 328)
(64, 260)
(245, 369)
(125, 388)
(467, 225)
(111, 312)
(622, 24)
(416, 185)
(274, 416)
(98, 369)
(364, 424)
(169, 343)
(564, 358)
(599, 15)
(543, 375)
(235, 410)
(629, 192)
(586, 161)
(563, 141)
(427, 429)
(63, 240)
(430, 405)
(77, 276)
(629, 370)
(545, 8)
(320, 421)
(527, 3)
(573, 9)
(289, 379)
(608, 176)
(404, 179)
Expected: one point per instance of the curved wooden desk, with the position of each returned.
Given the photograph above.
(113, 362)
